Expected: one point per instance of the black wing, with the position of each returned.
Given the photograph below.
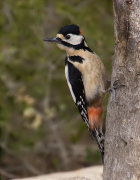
(74, 79)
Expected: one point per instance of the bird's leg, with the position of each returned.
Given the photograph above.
(115, 86)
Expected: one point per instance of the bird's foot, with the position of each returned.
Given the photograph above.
(113, 88)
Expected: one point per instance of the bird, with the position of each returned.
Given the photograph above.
(86, 79)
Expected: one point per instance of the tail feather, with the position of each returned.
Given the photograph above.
(98, 135)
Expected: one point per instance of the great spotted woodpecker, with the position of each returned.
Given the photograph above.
(86, 78)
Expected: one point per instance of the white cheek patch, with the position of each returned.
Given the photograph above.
(70, 87)
(74, 39)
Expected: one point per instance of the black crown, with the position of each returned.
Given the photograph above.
(69, 29)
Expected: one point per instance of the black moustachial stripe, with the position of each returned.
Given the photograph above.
(78, 46)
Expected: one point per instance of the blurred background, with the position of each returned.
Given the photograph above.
(41, 129)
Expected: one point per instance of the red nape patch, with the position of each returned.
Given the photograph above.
(95, 116)
(81, 33)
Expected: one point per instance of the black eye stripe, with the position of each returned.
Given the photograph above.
(67, 36)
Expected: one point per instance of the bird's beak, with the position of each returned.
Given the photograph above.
(55, 39)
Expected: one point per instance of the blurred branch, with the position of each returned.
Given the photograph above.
(6, 174)
(10, 84)
(6, 10)
(48, 121)
(52, 126)
(22, 160)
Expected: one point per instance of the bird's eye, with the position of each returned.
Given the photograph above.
(67, 36)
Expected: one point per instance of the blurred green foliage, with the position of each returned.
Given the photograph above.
(38, 118)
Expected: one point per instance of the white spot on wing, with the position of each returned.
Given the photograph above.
(79, 103)
(67, 77)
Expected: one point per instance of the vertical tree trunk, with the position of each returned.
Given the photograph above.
(122, 139)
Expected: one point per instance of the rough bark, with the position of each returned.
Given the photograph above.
(122, 138)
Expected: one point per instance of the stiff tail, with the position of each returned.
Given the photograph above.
(99, 139)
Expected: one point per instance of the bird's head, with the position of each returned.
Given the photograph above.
(69, 38)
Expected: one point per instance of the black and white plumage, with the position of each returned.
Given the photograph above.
(86, 78)
(75, 83)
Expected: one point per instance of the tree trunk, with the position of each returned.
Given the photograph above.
(122, 138)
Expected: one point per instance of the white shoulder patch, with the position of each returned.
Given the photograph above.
(85, 44)
(70, 87)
